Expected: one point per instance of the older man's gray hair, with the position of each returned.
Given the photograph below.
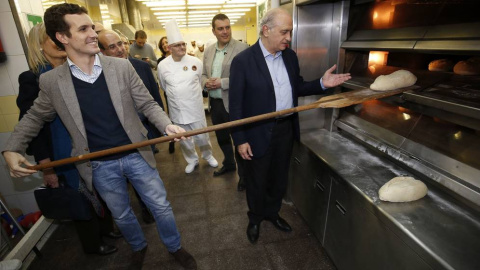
(269, 18)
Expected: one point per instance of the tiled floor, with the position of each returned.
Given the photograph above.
(211, 217)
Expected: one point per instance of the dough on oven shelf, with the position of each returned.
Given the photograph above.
(469, 67)
(402, 189)
(441, 65)
(398, 79)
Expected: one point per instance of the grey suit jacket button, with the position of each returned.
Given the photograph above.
(89, 164)
(86, 149)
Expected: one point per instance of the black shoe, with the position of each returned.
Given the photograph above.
(171, 147)
(137, 259)
(223, 170)
(104, 250)
(185, 259)
(281, 224)
(241, 184)
(147, 217)
(253, 231)
(113, 235)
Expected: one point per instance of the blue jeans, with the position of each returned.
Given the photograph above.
(109, 179)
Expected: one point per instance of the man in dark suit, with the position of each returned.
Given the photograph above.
(111, 44)
(266, 78)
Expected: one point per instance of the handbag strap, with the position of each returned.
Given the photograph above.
(92, 197)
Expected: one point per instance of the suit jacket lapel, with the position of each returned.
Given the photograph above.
(229, 52)
(66, 88)
(262, 65)
(227, 57)
(110, 74)
(209, 60)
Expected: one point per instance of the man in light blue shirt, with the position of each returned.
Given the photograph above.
(215, 80)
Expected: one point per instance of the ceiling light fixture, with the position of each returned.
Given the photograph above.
(164, 3)
(206, 2)
(238, 5)
(203, 12)
(179, 8)
(170, 13)
(205, 7)
(235, 10)
(200, 16)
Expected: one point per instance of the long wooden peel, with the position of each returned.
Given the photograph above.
(333, 101)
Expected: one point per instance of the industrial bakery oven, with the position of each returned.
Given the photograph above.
(432, 134)
(438, 125)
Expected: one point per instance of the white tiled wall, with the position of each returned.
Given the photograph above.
(18, 193)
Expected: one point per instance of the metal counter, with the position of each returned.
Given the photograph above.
(441, 230)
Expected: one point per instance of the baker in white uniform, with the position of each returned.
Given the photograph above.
(180, 77)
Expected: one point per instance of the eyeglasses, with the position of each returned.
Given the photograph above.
(180, 45)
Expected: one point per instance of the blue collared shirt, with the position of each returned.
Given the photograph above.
(280, 79)
(79, 74)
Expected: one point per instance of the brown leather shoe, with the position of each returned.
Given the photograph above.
(185, 259)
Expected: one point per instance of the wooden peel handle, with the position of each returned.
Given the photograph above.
(333, 101)
(133, 146)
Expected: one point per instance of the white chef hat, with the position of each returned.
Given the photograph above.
(173, 32)
(200, 43)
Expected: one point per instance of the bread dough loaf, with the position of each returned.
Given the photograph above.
(468, 67)
(398, 79)
(441, 65)
(402, 189)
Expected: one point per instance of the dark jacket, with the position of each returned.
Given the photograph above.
(40, 147)
(145, 73)
(252, 93)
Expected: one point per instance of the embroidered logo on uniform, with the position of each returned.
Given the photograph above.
(185, 68)
(194, 68)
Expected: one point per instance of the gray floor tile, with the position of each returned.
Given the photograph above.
(299, 253)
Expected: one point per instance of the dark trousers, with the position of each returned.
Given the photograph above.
(220, 115)
(267, 176)
(90, 231)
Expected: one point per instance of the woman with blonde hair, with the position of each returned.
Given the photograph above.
(53, 143)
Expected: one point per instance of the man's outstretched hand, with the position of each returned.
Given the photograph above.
(331, 80)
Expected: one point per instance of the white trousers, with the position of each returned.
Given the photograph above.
(201, 140)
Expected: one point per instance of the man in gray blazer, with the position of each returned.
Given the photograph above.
(97, 99)
(215, 80)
